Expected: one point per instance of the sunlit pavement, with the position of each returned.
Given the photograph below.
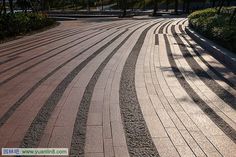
(111, 87)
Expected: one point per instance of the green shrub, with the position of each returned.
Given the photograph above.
(203, 13)
(215, 27)
(20, 23)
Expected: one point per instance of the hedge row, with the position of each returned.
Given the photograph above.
(20, 23)
(215, 27)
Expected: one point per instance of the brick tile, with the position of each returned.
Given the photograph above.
(155, 126)
(176, 137)
(94, 141)
(121, 151)
(108, 148)
(94, 119)
(118, 135)
(165, 147)
(94, 155)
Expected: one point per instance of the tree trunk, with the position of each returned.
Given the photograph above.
(124, 8)
(184, 6)
(213, 3)
(176, 6)
(11, 6)
(88, 5)
(102, 5)
(167, 5)
(42, 5)
(232, 16)
(155, 8)
(188, 6)
(220, 7)
(25, 5)
(4, 6)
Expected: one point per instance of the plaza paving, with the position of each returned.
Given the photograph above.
(132, 87)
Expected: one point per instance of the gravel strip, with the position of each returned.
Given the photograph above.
(79, 132)
(13, 108)
(36, 129)
(138, 138)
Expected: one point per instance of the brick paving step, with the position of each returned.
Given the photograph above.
(117, 88)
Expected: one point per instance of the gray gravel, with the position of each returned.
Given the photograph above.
(138, 138)
(36, 129)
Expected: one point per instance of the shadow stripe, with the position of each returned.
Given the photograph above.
(47, 34)
(207, 64)
(36, 129)
(12, 109)
(40, 44)
(18, 73)
(226, 96)
(79, 132)
(30, 41)
(225, 127)
(138, 138)
(62, 37)
(15, 75)
(23, 62)
(8, 60)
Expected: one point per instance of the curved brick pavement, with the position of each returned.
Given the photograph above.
(117, 88)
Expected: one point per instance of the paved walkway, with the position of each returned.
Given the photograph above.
(117, 88)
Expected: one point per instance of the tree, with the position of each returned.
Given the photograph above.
(155, 8)
(184, 6)
(88, 5)
(232, 16)
(176, 6)
(4, 6)
(220, 7)
(123, 4)
(213, 3)
(187, 6)
(11, 6)
(167, 5)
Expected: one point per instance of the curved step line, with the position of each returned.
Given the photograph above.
(30, 41)
(138, 138)
(60, 31)
(225, 127)
(39, 44)
(79, 132)
(161, 30)
(35, 131)
(226, 96)
(8, 60)
(35, 64)
(63, 37)
(218, 74)
(13, 108)
(48, 51)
